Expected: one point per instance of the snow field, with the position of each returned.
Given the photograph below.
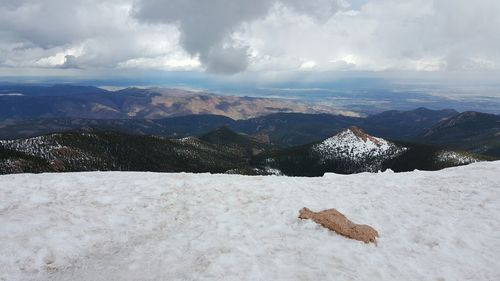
(440, 225)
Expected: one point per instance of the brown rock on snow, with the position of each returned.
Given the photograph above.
(336, 221)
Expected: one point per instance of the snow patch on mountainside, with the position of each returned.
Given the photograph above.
(43, 146)
(455, 158)
(50, 148)
(440, 225)
(353, 144)
(273, 171)
(46, 147)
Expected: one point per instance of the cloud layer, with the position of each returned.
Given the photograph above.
(259, 36)
(206, 26)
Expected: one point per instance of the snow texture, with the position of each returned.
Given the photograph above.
(440, 225)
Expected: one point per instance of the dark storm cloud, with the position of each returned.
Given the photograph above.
(70, 61)
(206, 25)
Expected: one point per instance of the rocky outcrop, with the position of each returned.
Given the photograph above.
(336, 221)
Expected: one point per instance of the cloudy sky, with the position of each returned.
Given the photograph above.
(271, 38)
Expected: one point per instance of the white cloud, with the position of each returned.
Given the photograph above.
(308, 65)
(420, 35)
(102, 31)
(266, 36)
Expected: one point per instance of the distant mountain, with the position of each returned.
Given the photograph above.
(354, 145)
(475, 132)
(282, 129)
(29, 90)
(191, 125)
(354, 151)
(472, 131)
(249, 145)
(291, 129)
(405, 125)
(119, 152)
(67, 101)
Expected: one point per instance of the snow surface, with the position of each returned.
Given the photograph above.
(348, 145)
(442, 225)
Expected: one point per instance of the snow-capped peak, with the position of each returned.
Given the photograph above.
(353, 143)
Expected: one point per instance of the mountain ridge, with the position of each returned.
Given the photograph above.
(353, 151)
(473, 131)
(288, 129)
(70, 101)
(350, 151)
(107, 151)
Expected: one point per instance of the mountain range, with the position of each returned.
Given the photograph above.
(55, 128)
(473, 131)
(283, 128)
(221, 151)
(70, 101)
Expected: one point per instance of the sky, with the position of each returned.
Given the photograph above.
(265, 40)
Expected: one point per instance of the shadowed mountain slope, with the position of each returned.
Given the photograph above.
(472, 131)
